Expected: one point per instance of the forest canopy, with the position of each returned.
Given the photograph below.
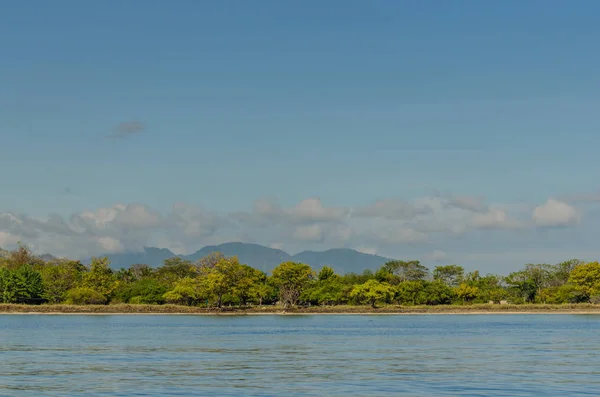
(217, 281)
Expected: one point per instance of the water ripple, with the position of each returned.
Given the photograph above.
(497, 355)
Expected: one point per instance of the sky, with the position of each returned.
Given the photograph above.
(450, 132)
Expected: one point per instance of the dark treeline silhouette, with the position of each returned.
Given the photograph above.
(216, 280)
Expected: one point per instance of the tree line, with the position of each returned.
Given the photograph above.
(216, 280)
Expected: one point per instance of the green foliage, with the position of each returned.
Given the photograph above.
(20, 257)
(586, 279)
(100, 278)
(31, 280)
(411, 293)
(144, 291)
(329, 289)
(227, 277)
(372, 292)
(451, 275)
(10, 287)
(353, 278)
(489, 287)
(85, 296)
(291, 279)
(218, 280)
(566, 293)
(438, 293)
(326, 273)
(59, 277)
(466, 293)
(21, 284)
(250, 285)
(407, 270)
(175, 269)
(187, 291)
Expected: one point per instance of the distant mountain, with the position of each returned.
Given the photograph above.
(343, 260)
(151, 256)
(46, 257)
(258, 256)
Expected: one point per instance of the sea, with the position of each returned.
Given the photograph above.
(300, 355)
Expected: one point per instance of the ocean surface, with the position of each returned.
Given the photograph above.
(442, 355)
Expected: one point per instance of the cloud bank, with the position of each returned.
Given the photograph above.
(431, 225)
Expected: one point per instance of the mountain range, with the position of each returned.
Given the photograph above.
(343, 260)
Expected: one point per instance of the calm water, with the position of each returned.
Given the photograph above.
(495, 355)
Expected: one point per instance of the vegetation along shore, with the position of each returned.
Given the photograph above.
(220, 284)
(168, 309)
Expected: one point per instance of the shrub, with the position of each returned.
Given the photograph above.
(85, 296)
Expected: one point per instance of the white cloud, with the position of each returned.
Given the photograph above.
(392, 209)
(122, 227)
(110, 244)
(554, 213)
(7, 239)
(495, 219)
(468, 203)
(312, 232)
(386, 226)
(133, 216)
(312, 210)
(268, 213)
(398, 236)
(277, 246)
(437, 256)
(367, 250)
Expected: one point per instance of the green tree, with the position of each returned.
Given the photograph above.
(560, 273)
(438, 293)
(222, 278)
(407, 270)
(291, 279)
(326, 273)
(31, 280)
(248, 285)
(354, 278)
(145, 291)
(175, 269)
(328, 289)
(187, 291)
(586, 279)
(489, 287)
(85, 296)
(466, 292)
(20, 284)
(451, 275)
(372, 292)
(11, 288)
(527, 283)
(100, 277)
(566, 293)
(411, 293)
(59, 277)
(22, 256)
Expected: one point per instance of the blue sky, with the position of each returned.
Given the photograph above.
(220, 104)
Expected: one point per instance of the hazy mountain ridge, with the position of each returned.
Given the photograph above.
(343, 260)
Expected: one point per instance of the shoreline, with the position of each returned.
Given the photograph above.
(299, 314)
(173, 310)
